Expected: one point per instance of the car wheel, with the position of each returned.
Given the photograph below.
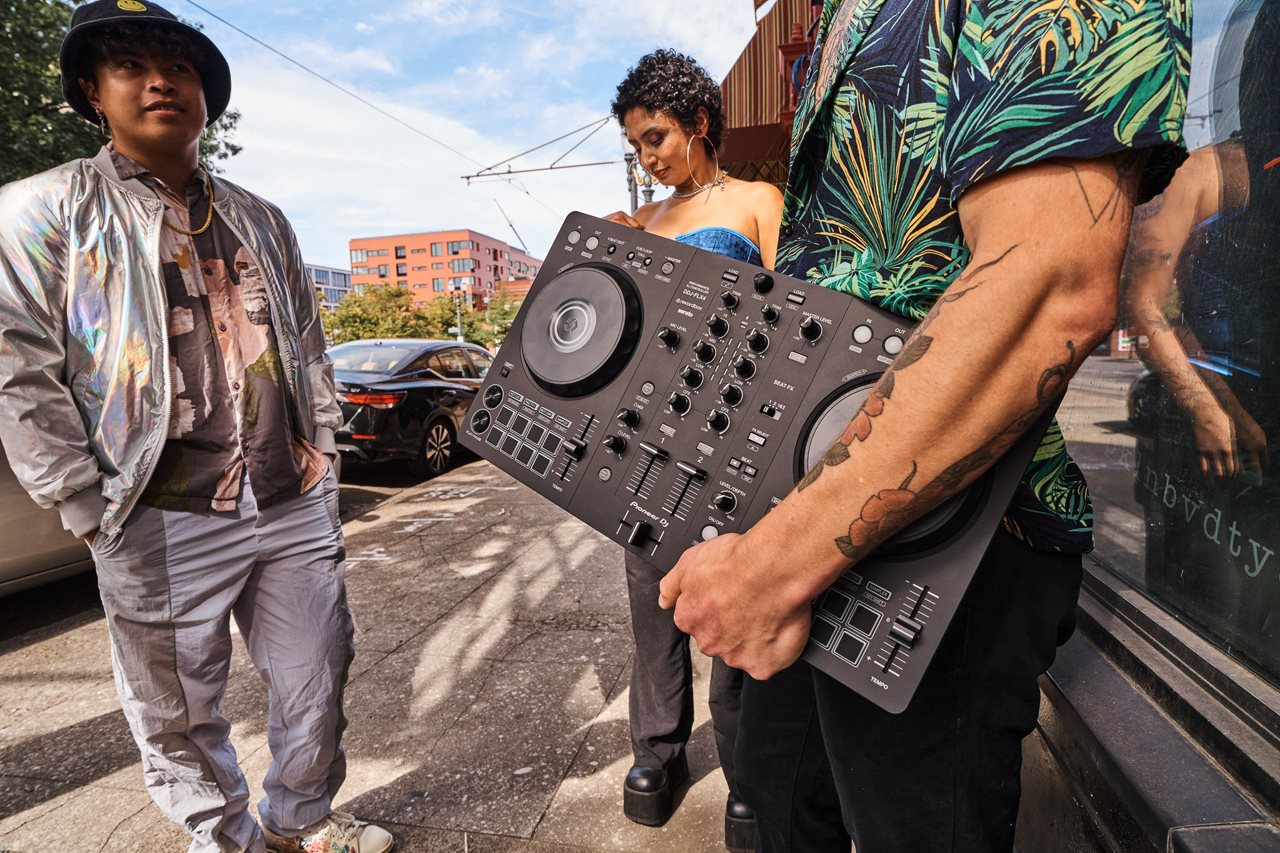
(438, 449)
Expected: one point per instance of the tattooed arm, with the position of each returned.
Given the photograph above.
(1039, 294)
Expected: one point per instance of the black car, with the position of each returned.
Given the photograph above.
(405, 399)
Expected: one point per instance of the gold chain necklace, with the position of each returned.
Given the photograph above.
(208, 219)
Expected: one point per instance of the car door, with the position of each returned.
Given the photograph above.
(460, 382)
(36, 547)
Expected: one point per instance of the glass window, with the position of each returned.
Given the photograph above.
(437, 284)
(359, 270)
(481, 361)
(1173, 420)
(382, 270)
(437, 249)
(402, 269)
(359, 256)
(452, 364)
(400, 251)
(417, 251)
(463, 265)
(367, 357)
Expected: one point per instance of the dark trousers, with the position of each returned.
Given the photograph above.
(822, 767)
(662, 681)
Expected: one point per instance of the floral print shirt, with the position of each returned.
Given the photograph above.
(229, 406)
(910, 102)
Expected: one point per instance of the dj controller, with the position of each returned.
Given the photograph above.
(664, 395)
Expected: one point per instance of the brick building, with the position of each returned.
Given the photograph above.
(433, 264)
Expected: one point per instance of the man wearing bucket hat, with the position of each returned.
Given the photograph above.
(163, 385)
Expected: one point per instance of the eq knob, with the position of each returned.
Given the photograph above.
(629, 418)
(758, 341)
(731, 394)
(615, 443)
(744, 367)
(718, 420)
(770, 314)
(669, 337)
(691, 376)
(704, 351)
(726, 502)
(680, 403)
(718, 325)
(763, 282)
(811, 328)
(730, 299)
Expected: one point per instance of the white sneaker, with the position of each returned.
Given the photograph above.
(338, 833)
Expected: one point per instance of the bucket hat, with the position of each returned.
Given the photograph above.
(214, 72)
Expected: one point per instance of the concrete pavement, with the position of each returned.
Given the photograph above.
(488, 699)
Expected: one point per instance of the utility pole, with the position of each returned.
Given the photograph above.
(630, 159)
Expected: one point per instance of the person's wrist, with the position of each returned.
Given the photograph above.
(775, 567)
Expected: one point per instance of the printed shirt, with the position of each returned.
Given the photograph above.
(230, 411)
(910, 102)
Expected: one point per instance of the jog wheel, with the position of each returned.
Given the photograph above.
(935, 528)
(581, 330)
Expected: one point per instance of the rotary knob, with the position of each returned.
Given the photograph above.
(718, 420)
(669, 337)
(731, 394)
(730, 299)
(718, 325)
(758, 341)
(726, 502)
(704, 351)
(691, 376)
(629, 418)
(744, 367)
(615, 443)
(811, 328)
(770, 314)
(763, 282)
(679, 402)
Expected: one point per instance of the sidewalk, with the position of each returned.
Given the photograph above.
(487, 702)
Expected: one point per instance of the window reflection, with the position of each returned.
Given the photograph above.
(1179, 444)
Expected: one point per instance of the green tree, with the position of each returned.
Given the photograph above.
(38, 129)
(380, 312)
(498, 318)
(442, 314)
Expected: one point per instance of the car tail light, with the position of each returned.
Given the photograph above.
(373, 401)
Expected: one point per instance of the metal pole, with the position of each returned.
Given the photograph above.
(630, 159)
(458, 305)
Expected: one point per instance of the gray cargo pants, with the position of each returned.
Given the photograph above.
(170, 581)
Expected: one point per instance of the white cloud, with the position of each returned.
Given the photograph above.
(330, 59)
(363, 28)
(457, 14)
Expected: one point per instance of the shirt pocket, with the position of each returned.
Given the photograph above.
(253, 289)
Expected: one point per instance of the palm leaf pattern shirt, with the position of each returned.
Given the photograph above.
(909, 102)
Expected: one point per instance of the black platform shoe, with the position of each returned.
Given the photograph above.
(739, 826)
(647, 791)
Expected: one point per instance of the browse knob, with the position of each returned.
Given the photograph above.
(811, 328)
(718, 325)
(763, 282)
(730, 299)
(704, 351)
(726, 502)
(679, 403)
(718, 420)
(744, 367)
(758, 341)
(692, 376)
(770, 314)
(615, 443)
(731, 394)
(670, 337)
(629, 417)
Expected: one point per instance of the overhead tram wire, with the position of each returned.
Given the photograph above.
(491, 171)
(446, 146)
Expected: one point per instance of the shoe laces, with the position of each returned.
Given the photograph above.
(338, 833)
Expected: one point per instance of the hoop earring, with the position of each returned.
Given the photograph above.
(102, 123)
(716, 179)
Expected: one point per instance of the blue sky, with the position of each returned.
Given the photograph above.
(488, 77)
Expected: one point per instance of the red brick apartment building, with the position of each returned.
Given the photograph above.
(433, 264)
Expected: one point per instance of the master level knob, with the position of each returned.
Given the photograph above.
(718, 325)
(763, 282)
(615, 443)
(725, 502)
(731, 394)
(629, 417)
(744, 367)
(811, 328)
(692, 376)
(770, 314)
(730, 299)
(670, 337)
(679, 403)
(718, 420)
(757, 340)
(704, 351)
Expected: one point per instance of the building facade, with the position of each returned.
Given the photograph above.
(435, 264)
(333, 284)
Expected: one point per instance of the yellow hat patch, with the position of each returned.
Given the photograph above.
(130, 6)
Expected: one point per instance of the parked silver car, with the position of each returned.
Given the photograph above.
(34, 548)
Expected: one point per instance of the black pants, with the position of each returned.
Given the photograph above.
(822, 766)
(662, 681)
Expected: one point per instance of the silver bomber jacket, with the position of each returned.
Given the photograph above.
(84, 345)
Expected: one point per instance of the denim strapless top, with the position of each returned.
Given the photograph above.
(722, 241)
